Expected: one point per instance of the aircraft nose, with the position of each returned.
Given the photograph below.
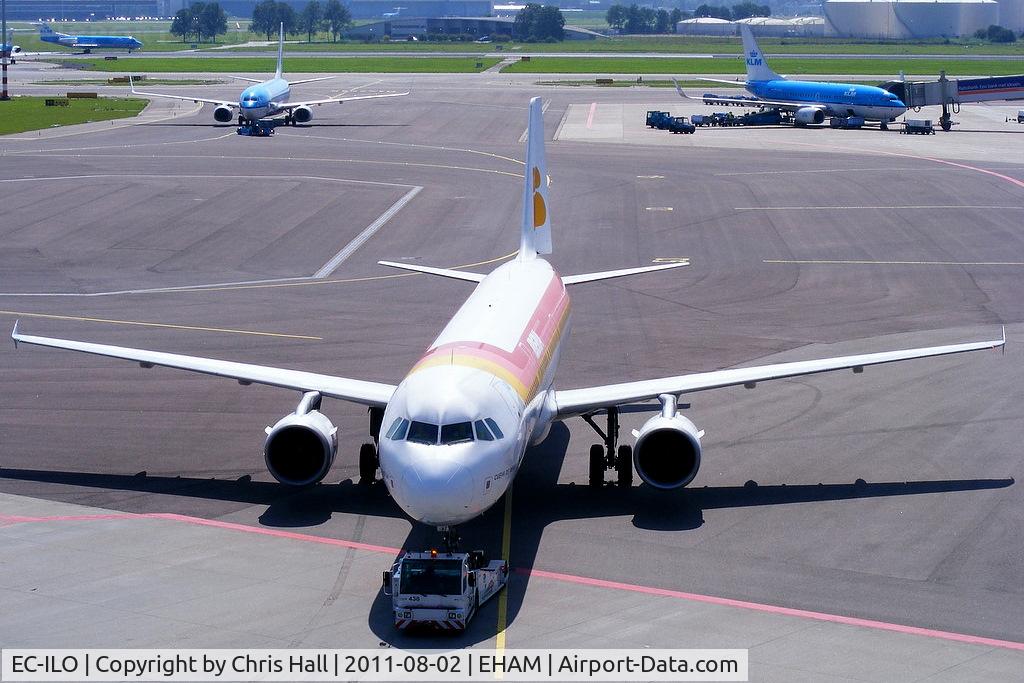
(430, 484)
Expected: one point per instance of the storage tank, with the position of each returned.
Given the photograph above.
(861, 19)
(896, 19)
(945, 18)
(706, 26)
(1011, 14)
(769, 26)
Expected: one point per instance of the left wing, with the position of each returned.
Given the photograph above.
(582, 401)
(371, 394)
(310, 103)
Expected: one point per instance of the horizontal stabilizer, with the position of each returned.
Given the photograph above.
(443, 272)
(609, 274)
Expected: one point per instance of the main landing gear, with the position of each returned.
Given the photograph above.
(610, 456)
(368, 460)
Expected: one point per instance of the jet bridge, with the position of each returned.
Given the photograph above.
(951, 93)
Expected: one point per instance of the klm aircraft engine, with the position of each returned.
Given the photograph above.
(302, 114)
(300, 448)
(223, 114)
(808, 115)
(667, 451)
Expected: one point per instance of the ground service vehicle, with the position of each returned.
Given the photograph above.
(846, 122)
(1020, 116)
(918, 127)
(680, 124)
(258, 128)
(442, 590)
(654, 118)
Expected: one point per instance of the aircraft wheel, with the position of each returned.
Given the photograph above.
(624, 467)
(367, 463)
(596, 479)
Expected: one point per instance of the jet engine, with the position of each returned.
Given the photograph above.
(300, 448)
(667, 451)
(223, 114)
(302, 114)
(807, 115)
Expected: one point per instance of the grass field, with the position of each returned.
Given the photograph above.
(293, 65)
(31, 113)
(788, 66)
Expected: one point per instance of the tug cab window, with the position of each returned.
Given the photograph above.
(422, 432)
(458, 432)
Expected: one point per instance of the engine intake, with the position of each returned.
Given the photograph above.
(807, 115)
(302, 114)
(667, 451)
(223, 114)
(300, 448)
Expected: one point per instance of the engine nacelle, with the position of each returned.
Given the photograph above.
(807, 115)
(302, 114)
(667, 451)
(223, 114)
(300, 448)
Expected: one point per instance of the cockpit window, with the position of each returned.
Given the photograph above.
(494, 428)
(458, 432)
(422, 432)
(482, 432)
(398, 429)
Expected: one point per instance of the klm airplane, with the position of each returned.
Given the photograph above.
(266, 98)
(87, 43)
(810, 101)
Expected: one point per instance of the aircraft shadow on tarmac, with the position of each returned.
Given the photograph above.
(538, 500)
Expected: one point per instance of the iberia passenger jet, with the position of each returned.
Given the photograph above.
(452, 434)
(266, 98)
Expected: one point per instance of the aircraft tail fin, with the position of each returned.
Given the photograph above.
(757, 65)
(280, 52)
(45, 30)
(535, 237)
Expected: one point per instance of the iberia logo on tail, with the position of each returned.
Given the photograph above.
(540, 211)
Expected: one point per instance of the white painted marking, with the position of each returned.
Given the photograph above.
(650, 177)
(659, 208)
(324, 271)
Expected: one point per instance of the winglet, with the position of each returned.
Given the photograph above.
(280, 51)
(1002, 345)
(14, 333)
(535, 237)
(679, 89)
(131, 84)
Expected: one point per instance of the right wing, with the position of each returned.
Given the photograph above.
(330, 100)
(371, 394)
(582, 401)
(224, 103)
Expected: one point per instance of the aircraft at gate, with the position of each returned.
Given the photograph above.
(451, 435)
(87, 43)
(810, 101)
(267, 98)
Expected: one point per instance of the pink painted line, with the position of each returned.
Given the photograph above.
(1001, 176)
(557, 576)
(774, 609)
(275, 532)
(590, 117)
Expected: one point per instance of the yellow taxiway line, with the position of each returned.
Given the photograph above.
(506, 545)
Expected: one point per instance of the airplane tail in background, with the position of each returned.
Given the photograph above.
(280, 53)
(45, 30)
(757, 65)
(536, 227)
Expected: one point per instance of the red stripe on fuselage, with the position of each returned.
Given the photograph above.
(523, 363)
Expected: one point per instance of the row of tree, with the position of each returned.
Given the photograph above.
(537, 23)
(200, 20)
(634, 19)
(742, 10)
(315, 17)
(996, 34)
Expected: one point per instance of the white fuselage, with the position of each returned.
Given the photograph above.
(456, 428)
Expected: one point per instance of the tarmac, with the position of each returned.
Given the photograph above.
(842, 527)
